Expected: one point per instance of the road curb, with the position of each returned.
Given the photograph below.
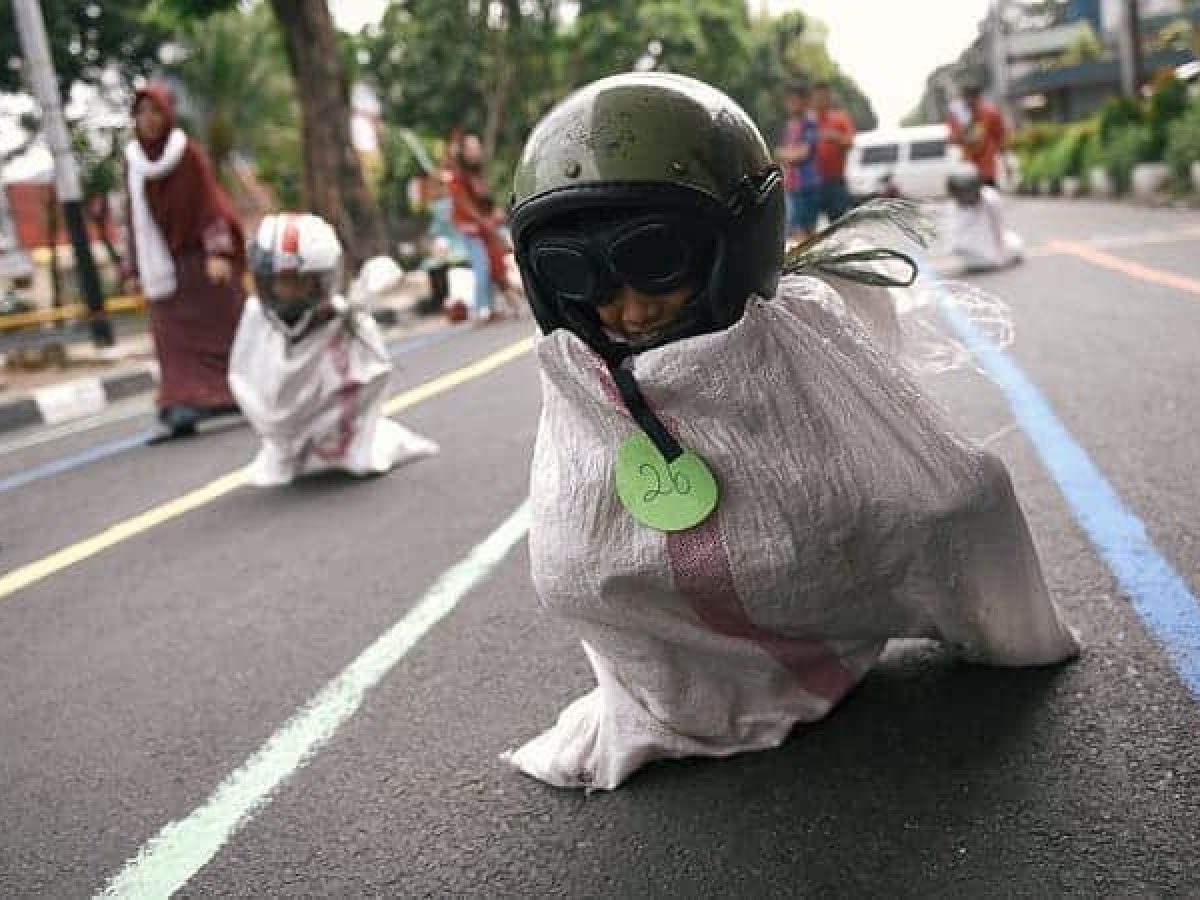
(77, 398)
(74, 399)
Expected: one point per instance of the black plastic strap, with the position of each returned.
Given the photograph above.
(663, 440)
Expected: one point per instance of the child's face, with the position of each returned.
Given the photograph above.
(289, 287)
(639, 317)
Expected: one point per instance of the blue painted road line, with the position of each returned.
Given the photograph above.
(113, 448)
(67, 463)
(1159, 595)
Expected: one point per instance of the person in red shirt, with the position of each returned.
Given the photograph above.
(978, 127)
(836, 137)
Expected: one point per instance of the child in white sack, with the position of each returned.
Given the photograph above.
(309, 369)
(975, 229)
(738, 496)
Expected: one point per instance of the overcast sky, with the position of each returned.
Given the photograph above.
(887, 46)
(890, 46)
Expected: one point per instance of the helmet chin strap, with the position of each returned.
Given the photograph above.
(298, 328)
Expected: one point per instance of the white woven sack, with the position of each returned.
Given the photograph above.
(850, 513)
(978, 235)
(317, 404)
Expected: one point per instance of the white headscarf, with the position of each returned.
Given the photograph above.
(155, 268)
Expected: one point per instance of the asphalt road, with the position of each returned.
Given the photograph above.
(151, 677)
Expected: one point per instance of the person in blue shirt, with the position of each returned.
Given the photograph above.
(797, 156)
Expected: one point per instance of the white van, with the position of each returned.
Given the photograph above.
(918, 158)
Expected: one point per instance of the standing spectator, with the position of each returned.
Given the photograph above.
(835, 139)
(476, 217)
(797, 155)
(978, 127)
(187, 255)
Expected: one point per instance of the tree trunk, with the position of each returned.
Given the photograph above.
(501, 77)
(333, 180)
(497, 104)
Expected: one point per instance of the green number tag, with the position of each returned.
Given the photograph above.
(666, 496)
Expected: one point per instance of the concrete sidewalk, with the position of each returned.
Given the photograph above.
(83, 380)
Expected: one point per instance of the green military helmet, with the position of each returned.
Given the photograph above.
(656, 141)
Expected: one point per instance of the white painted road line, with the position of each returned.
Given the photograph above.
(133, 408)
(167, 861)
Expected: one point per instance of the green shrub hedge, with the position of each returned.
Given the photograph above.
(1183, 142)
(1126, 146)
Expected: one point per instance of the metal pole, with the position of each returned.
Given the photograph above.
(44, 85)
(999, 59)
(1129, 42)
(1134, 19)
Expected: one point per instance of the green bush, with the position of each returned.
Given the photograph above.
(1033, 168)
(1093, 153)
(1183, 142)
(1065, 158)
(1032, 145)
(1167, 103)
(1125, 148)
(1028, 140)
(1118, 112)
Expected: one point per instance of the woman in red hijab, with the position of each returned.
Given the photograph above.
(187, 255)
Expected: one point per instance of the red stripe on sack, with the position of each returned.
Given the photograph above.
(700, 564)
(334, 451)
(703, 576)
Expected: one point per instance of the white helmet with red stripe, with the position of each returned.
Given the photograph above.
(296, 261)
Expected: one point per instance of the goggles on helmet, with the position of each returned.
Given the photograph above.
(585, 261)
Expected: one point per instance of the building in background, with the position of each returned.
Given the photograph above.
(1064, 72)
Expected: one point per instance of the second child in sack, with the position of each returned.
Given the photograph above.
(310, 370)
(738, 496)
(975, 229)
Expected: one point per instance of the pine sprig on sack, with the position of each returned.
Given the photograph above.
(826, 251)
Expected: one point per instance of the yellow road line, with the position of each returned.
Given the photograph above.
(43, 568)
(432, 388)
(122, 531)
(1128, 267)
(10, 321)
(1174, 236)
